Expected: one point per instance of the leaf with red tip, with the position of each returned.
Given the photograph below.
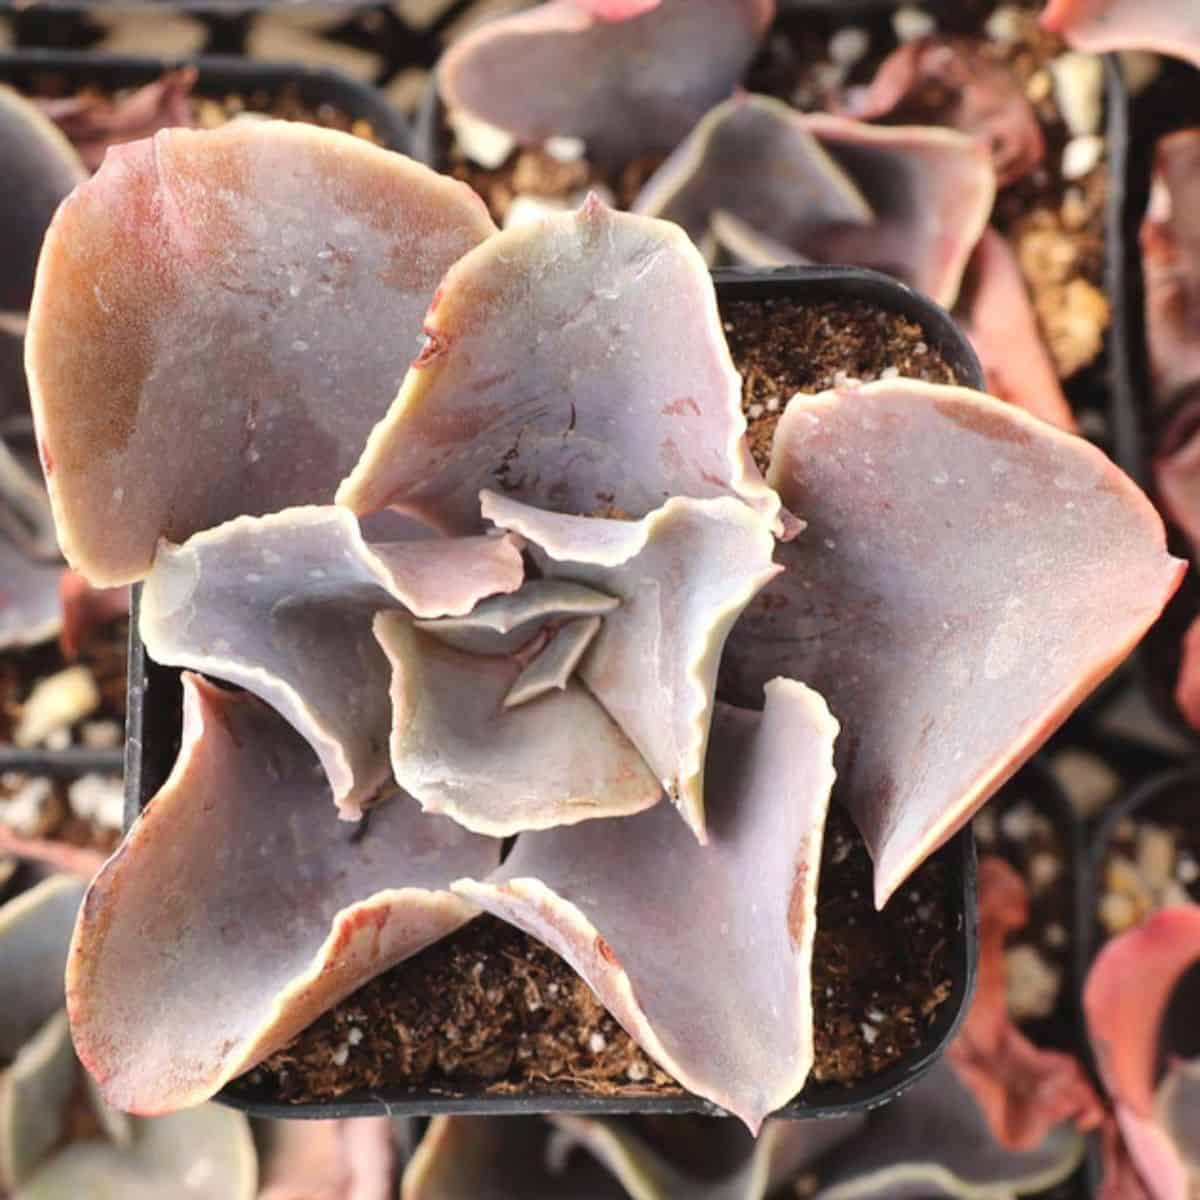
(629, 77)
(967, 576)
(239, 908)
(205, 1154)
(702, 953)
(1098, 26)
(282, 605)
(497, 770)
(954, 82)
(1170, 246)
(683, 575)
(544, 376)
(40, 169)
(995, 309)
(244, 298)
(93, 122)
(911, 201)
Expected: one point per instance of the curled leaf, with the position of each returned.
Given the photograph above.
(543, 376)
(908, 200)
(683, 574)
(40, 168)
(968, 574)
(702, 953)
(259, 286)
(282, 605)
(499, 770)
(1098, 26)
(240, 860)
(629, 77)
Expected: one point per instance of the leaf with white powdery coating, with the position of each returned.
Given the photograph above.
(702, 953)
(458, 749)
(240, 863)
(219, 319)
(628, 77)
(967, 576)
(282, 605)
(578, 364)
(684, 573)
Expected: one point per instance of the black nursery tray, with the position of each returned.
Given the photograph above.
(153, 731)
(1171, 102)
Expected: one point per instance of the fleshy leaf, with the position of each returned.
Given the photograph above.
(967, 576)
(34, 1093)
(503, 624)
(348, 1159)
(261, 287)
(628, 78)
(683, 575)
(702, 953)
(1178, 1108)
(996, 311)
(928, 192)
(497, 770)
(205, 1154)
(30, 611)
(469, 1158)
(723, 167)
(40, 168)
(747, 247)
(1187, 686)
(93, 121)
(1170, 246)
(86, 609)
(934, 1141)
(282, 605)
(1177, 470)
(240, 861)
(25, 517)
(543, 375)
(14, 395)
(555, 663)
(955, 83)
(1098, 26)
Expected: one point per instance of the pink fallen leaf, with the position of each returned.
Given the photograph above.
(683, 574)
(670, 933)
(629, 77)
(247, 298)
(93, 122)
(1099, 26)
(908, 200)
(241, 843)
(282, 605)
(967, 576)
(543, 377)
(953, 82)
(995, 309)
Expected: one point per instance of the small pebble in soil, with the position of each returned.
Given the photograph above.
(57, 702)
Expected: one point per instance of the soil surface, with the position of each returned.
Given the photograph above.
(492, 1010)
(1055, 224)
(782, 347)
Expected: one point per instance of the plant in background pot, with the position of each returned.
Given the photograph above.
(554, 598)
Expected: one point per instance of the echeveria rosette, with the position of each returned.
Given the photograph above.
(298, 908)
(252, 276)
(208, 1152)
(1127, 1001)
(628, 77)
(997, 572)
(908, 200)
(1098, 26)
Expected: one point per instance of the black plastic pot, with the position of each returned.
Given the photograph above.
(1171, 102)
(153, 727)
(68, 71)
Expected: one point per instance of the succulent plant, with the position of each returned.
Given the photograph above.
(1098, 26)
(545, 584)
(207, 1152)
(602, 70)
(996, 1118)
(1139, 1005)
